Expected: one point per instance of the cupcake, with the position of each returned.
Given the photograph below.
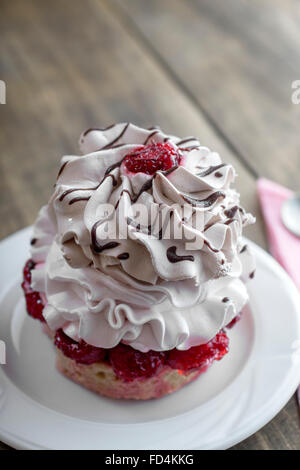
(138, 265)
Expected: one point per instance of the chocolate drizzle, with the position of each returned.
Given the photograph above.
(150, 136)
(174, 258)
(230, 213)
(61, 170)
(111, 176)
(112, 147)
(97, 129)
(225, 300)
(78, 199)
(243, 249)
(167, 172)
(209, 201)
(230, 221)
(188, 139)
(123, 256)
(69, 191)
(210, 247)
(99, 248)
(33, 241)
(189, 149)
(107, 146)
(146, 186)
(124, 191)
(210, 170)
(112, 167)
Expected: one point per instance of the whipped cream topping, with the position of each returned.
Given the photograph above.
(144, 290)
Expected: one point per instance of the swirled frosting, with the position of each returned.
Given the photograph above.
(148, 291)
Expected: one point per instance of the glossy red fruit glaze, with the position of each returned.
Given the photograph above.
(129, 364)
(34, 302)
(234, 321)
(199, 356)
(152, 158)
(82, 352)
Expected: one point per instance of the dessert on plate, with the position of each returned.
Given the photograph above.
(138, 265)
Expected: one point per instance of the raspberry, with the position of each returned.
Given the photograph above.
(152, 158)
(34, 301)
(82, 352)
(199, 356)
(129, 364)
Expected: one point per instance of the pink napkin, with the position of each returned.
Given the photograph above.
(284, 246)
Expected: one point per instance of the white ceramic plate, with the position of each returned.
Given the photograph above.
(40, 409)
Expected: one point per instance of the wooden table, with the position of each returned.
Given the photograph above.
(218, 70)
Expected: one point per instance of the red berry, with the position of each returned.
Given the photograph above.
(199, 356)
(152, 158)
(34, 301)
(82, 352)
(129, 364)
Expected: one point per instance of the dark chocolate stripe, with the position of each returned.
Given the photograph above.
(184, 141)
(174, 258)
(209, 201)
(210, 170)
(121, 194)
(229, 221)
(96, 247)
(146, 186)
(167, 172)
(77, 199)
(69, 191)
(117, 146)
(150, 135)
(230, 213)
(98, 129)
(210, 247)
(108, 175)
(61, 170)
(107, 146)
(188, 149)
(123, 256)
(113, 167)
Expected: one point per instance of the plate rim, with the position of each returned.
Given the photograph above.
(20, 442)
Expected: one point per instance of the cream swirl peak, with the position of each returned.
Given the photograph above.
(142, 287)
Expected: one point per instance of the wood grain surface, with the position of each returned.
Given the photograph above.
(218, 70)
